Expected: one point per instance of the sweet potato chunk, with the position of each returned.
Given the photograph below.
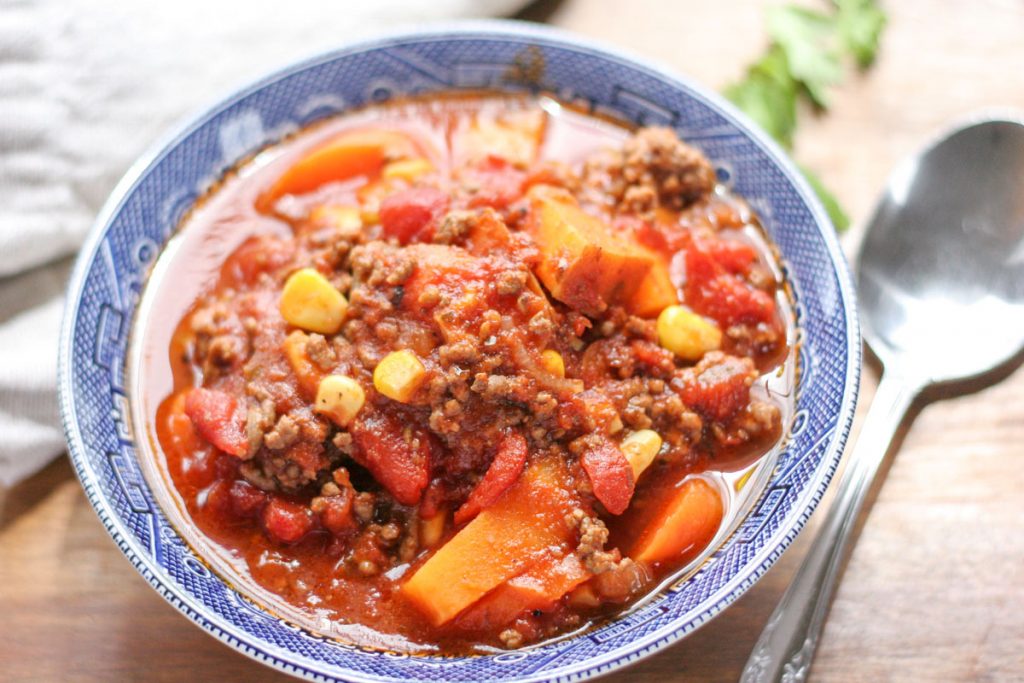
(500, 543)
(683, 527)
(584, 263)
(351, 154)
(656, 292)
(539, 587)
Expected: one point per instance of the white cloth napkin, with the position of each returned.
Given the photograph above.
(85, 86)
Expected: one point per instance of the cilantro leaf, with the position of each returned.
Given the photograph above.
(768, 95)
(806, 56)
(808, 39)
(860, 24)
(835, 212)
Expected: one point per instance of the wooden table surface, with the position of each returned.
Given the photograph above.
(935, 588)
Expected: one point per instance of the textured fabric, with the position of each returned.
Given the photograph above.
(85, 86)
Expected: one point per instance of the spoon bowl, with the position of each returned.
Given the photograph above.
(941, 270)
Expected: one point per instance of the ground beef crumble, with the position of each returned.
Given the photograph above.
(654, 168)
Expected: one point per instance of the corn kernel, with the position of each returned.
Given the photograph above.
(407, 169)
(398, 375)
(640, 449)
(687, 334)
(432, 529)
(346, 218)
(310, 302)
(552, 362)
(340, 398)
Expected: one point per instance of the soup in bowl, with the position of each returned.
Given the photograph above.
(492, 376)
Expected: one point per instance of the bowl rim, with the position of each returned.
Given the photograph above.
(277, 658)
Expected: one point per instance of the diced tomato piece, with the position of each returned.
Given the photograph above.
(410, 215)
(506, 467)
(226, 466)
(217, 498)
(712, 291)
(433, 498)
(720, 391)
(259, 254)
(611, 476)
(655, 357)
(286, 521)
(199, 468)
(580, 323)
(336, 515)
(735, 257)
(247, 501)
(217, 418)
(499, 183)
(398, 459)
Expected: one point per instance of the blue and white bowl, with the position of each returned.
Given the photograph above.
(148, 204)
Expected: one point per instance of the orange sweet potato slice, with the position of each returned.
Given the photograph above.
(351, 154)
(683, 527)
(500, 543)
(584, 263)
(656, 291)
(539, 587)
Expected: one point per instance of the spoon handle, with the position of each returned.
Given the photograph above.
(786, 647)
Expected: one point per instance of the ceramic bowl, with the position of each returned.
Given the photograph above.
(148, 204)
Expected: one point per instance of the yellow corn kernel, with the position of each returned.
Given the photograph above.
(370, 213)
(552, 362)
(687, 334)
(310, 302)
(346, 218)
(432, 529)
(398, 375)
(407, 169)
(340, 398)
(640, 449)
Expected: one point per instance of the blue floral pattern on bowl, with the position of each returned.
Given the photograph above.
(148, 204)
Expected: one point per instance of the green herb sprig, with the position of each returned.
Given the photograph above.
(805, 58)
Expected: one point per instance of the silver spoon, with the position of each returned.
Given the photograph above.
(941, 290)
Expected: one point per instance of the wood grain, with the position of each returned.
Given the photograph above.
(935, 588)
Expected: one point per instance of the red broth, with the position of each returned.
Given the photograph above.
(446, 446)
